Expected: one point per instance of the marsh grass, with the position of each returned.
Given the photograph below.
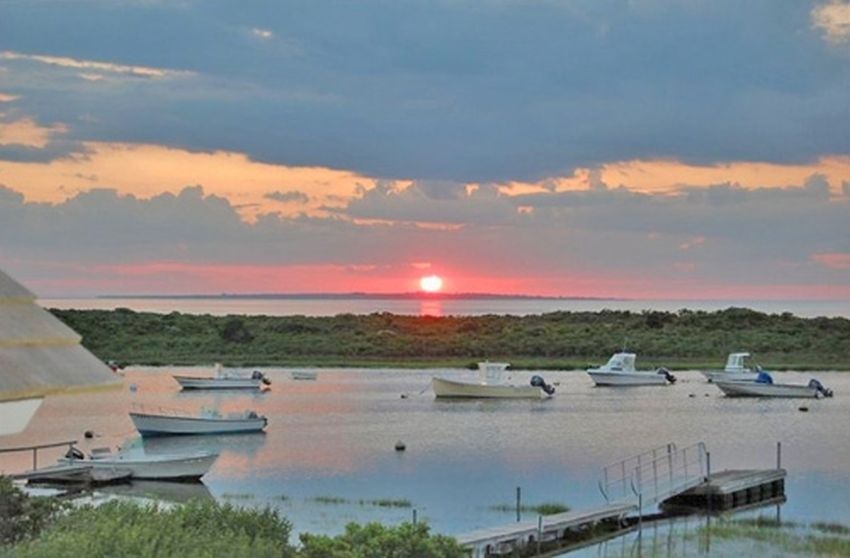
(329, 500)
(787, 537)
(377, 502)
(832, 528)
(237, 496)
(388, 503)
(546, 508)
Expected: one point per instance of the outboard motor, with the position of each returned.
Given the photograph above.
(821, 389)
(257, 375)
(74, 453)
(667, 375)
(764, 377)
(539, 382)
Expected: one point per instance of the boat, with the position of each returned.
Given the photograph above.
(620, 371)
(168, 422)
(492, 384)
(304, 374)
(182, 466)
(735, 369)
(224, 380)
(764, 386)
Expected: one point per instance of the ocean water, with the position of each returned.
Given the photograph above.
(328, 451)
(437, 307)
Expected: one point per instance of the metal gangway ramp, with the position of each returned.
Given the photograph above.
(627, 485)
(655, 475)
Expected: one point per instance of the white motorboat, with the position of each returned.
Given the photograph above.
(184, 466)
(167, 423)
(735, 370)
(620, 371)
(304, 374)
(492, 384)
(224, 379)
(764, 386)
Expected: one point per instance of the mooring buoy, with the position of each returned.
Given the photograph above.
(399, 446)
(88, 434)
(803, 409)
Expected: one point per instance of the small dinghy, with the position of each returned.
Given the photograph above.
(183, 466)
(168, 422)
(620, 371)
(224, 380)
(492, 385)
(304, 374)
(764, 386)
(735, 369)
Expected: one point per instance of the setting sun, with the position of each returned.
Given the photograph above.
(431, 283)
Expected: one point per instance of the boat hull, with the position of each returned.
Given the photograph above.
(604, 378)
(177, 468)
(165, 425)
(757, 389)
(463, 390)
(193, 382)
(723, 376)
(304, 375)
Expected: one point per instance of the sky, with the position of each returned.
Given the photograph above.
(687, 149)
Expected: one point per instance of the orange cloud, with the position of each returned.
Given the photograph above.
(833, 19)
(147, 170)
(28, 133)
(68, 62)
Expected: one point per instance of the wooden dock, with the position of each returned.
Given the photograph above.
(78, 474)
(732, 489)
(677, 480)
(522, 538)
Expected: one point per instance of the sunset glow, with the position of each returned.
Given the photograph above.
(431, 284)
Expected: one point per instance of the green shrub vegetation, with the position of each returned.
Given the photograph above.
(43, 528)
(196, 529)
(559, 340)
(22, 517)
(374, 540)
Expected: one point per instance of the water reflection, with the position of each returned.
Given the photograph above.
(336, 437)
(431, 307)
(172, 492)
(674, 537)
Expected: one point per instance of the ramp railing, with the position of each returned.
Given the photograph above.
(654, 475)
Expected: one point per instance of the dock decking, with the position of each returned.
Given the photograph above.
(75, 474)
(504, 539)
(732, 489)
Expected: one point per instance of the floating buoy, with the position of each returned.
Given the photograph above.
(404, 396)
(803, 409)
(692, 395)
(708, 395)
(133, 388)
(399, 446)
(88, 434)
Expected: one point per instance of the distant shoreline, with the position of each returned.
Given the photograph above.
(351, 296)
(556, 340)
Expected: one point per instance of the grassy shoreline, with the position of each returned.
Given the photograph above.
(553, 341)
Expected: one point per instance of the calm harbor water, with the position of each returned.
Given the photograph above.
(334, 438)
(437, 307)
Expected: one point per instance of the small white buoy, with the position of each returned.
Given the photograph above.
(399, 446)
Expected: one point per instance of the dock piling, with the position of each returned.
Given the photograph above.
(518, 503)
(778, 455)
